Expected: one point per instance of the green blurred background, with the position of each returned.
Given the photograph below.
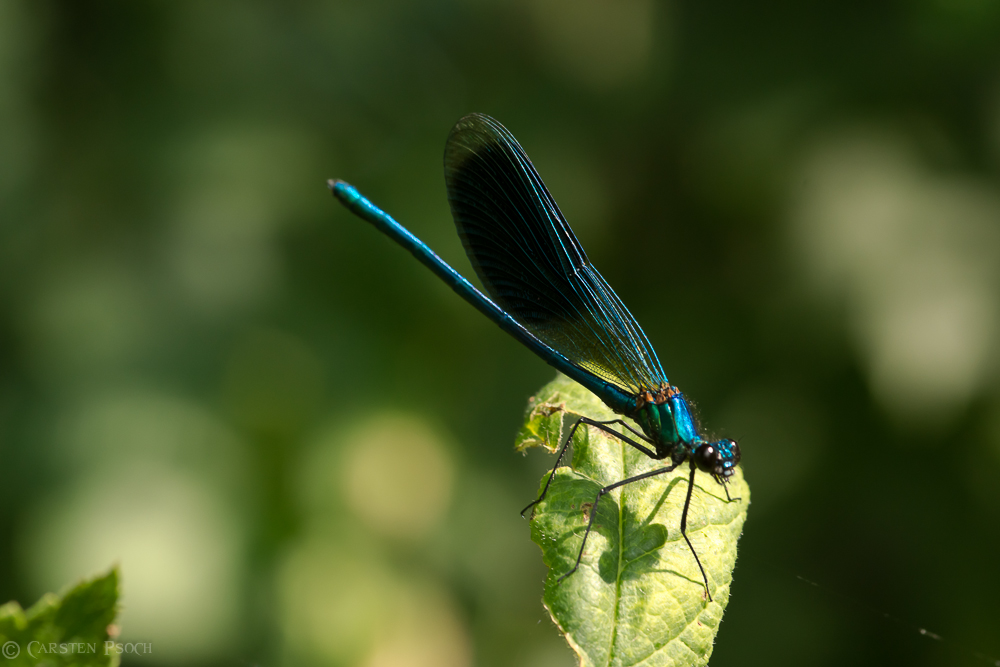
(298, 443)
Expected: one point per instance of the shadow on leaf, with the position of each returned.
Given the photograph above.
(633, 543)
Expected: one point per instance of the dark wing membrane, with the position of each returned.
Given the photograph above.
(531, 262)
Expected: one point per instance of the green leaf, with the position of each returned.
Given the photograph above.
(638, 596)
(71, 629)
(543, 419)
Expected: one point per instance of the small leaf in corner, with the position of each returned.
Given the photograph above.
(70, 629)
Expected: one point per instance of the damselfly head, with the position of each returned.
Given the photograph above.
(718, 458)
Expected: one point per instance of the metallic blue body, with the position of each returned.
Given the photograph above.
(670, 426)
(686, 429)
(545, 291)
